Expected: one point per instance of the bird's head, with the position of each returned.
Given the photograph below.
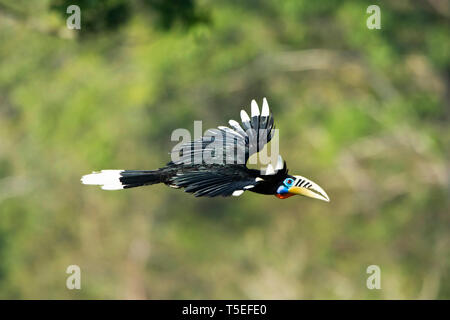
(288, 186)
(298, 185)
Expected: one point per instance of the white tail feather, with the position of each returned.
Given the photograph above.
(108, 179)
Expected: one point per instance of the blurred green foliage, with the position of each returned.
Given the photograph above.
(108, 16)
(365, 113)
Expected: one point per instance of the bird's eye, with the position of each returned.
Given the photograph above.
(289, 182)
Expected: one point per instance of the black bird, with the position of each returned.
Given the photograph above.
(215, 165)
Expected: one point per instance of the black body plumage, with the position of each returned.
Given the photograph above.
(206, 179)
(216, 164)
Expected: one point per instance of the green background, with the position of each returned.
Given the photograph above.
(364, 113)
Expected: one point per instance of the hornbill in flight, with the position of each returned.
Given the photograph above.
(231, 177)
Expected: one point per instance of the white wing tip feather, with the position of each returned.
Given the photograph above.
(244, 116)
(280, 163)
(270, 170)
(233, 123)
(265, 108)
(237, 193)
(255, 109)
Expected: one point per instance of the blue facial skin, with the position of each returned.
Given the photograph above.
(282, 190)
(287, 183)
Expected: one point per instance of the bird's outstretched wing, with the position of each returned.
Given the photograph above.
(215, 180)
(230, 145)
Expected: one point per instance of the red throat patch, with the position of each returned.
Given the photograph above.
(284, 195)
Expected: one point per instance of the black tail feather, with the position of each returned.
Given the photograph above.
(137, 178)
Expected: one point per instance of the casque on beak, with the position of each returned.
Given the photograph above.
(308, 188)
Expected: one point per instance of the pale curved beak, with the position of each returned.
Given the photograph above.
(308, 188)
